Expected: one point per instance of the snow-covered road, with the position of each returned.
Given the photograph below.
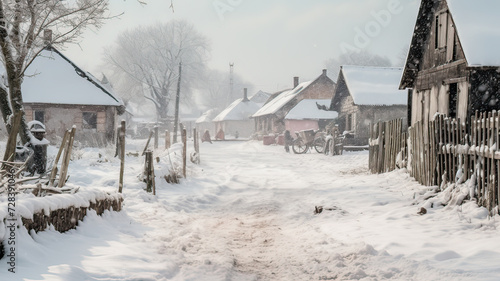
(246, 213)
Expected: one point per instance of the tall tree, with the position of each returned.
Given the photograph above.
(25, 26)
(149, 56)
(363, 58)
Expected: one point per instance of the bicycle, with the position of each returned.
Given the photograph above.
(307, 139)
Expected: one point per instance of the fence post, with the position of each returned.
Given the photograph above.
(149, 172)
(167, 139)
(156, 137)
(66, 158)
(121, 136)
(184, 151)
(196, 145)
(147, 143)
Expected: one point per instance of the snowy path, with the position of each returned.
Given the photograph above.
(246, 213)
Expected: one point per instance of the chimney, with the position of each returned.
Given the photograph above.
(47, 36)
(295, 81)
(245, 95)
(324, 72)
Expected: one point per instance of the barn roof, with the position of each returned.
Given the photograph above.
(54, 79)
(239, 110)
(370, 85)
(478, 32)
(308, 110)
(476, 29)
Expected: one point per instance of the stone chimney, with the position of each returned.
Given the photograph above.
(295, 81)
(324, 72)
(245, 95)
(47, 36)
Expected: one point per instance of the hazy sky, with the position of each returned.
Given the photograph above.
(269, 41)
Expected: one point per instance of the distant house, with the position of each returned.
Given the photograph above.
(271, 117)
(235, 120)
(366, 95)
(204, 122)
(452, 65)
(307, 115)
(60, 94)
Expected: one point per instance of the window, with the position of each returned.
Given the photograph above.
(453, 100)
(348, 125)
(436, 34)
(441, 30)
(39, 115)
(89, 120)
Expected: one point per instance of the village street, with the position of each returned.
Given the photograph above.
(246, 213)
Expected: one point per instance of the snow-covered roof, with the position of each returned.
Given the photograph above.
(374, 85)
(477, 29)
(53, 78)
(207, 116)
(308, 110)
(260, 97)
(278, 102)
(237, 111)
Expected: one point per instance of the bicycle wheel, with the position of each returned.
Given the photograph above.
(299, 146)
(319, 145)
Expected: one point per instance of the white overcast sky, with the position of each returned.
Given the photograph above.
(269, 41)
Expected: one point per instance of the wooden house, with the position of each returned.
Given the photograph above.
(453, 61)
(271, 117)
(60, 94)
(308, 115)
(365, 95)
(235, 120)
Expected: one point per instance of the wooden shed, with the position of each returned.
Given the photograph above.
(365, 95)
(60, 94)
(452, 65)
(270, 118)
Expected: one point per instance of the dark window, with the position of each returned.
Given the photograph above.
(348, 125)
(89, 120)
(436, 31)
(39, 115)
(453, 100)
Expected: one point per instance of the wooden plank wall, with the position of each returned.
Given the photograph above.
(387, 141)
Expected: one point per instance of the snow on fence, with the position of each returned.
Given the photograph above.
(444, 151)
(387, 145)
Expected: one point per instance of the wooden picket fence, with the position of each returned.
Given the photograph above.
(445, 151)
(387, 145)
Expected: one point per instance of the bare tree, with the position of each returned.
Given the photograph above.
(24, 26)
(150, 56)
(363, 58)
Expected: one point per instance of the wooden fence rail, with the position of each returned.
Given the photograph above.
(444, 151)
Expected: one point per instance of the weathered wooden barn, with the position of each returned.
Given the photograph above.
(60, 94)
(365, 95)
(270, 118)
(453, 61)
(308, 115)
(235, 120)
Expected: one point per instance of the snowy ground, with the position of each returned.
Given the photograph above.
(246, 213)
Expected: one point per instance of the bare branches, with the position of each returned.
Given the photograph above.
(151, 54)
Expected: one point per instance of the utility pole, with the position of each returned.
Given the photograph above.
(231, 83)
(177, 98)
